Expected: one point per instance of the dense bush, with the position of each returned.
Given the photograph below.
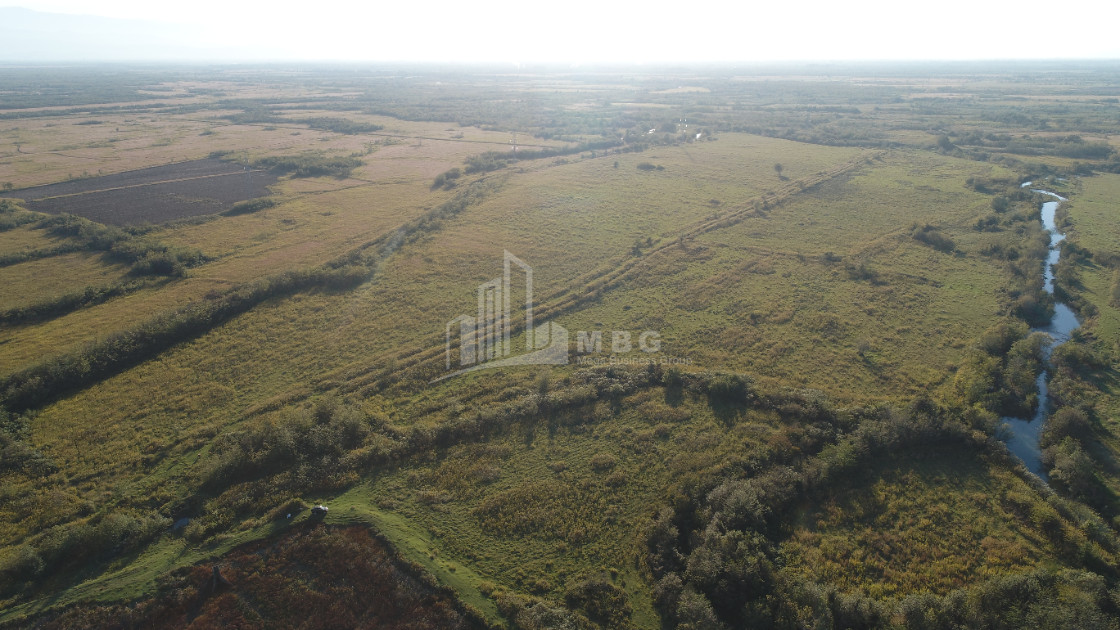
(447, 179)
(310, 165)
(1066, 422)
(729, 388)
(1073, 471)
(99, 538)
(250, 206)
(932, 236)
(495, 160)
(147, 256)
(310, 441)
(1000, 374)
(601, 600)
(489, 161)
(13, 216)
(14, 258)
(532, 613)
(16, 455)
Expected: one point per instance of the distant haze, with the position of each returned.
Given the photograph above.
(576, 31)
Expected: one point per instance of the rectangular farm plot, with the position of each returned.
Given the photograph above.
(152, 195)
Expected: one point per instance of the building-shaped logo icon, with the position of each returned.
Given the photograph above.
(485, 341)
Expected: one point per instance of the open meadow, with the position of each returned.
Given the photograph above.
(235, 295)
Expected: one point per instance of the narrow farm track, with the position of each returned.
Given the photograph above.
(591, 286)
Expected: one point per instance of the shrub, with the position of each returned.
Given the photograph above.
(603, 602)
(1066, 422)
(318, 438)
(447, 179)
(602, 461)
(249, 207)
(67, 303)
(310, 165)
(21, 564)
(100, 538)
(932, 236)
(729, 388)
(489, 161)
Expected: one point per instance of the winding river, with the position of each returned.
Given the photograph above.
(1025, 432)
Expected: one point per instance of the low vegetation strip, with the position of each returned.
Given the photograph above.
(146, 255)
(46, 381)
(16, 258)
(42, 383)
(12, 216)
(49, 309)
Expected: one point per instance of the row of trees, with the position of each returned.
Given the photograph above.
(41, 383)
(146, 255)
(69, 302)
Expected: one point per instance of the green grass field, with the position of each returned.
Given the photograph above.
(813, 278)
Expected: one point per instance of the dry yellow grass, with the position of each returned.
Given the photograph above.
(40, 280)
(25, 238)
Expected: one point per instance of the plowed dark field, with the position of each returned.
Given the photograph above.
(151, 195)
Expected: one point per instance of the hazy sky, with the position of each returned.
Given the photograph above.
(583, 31)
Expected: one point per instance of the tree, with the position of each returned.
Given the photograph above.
(9, 186)
(778, 169)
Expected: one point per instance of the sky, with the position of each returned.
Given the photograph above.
(600, 31)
